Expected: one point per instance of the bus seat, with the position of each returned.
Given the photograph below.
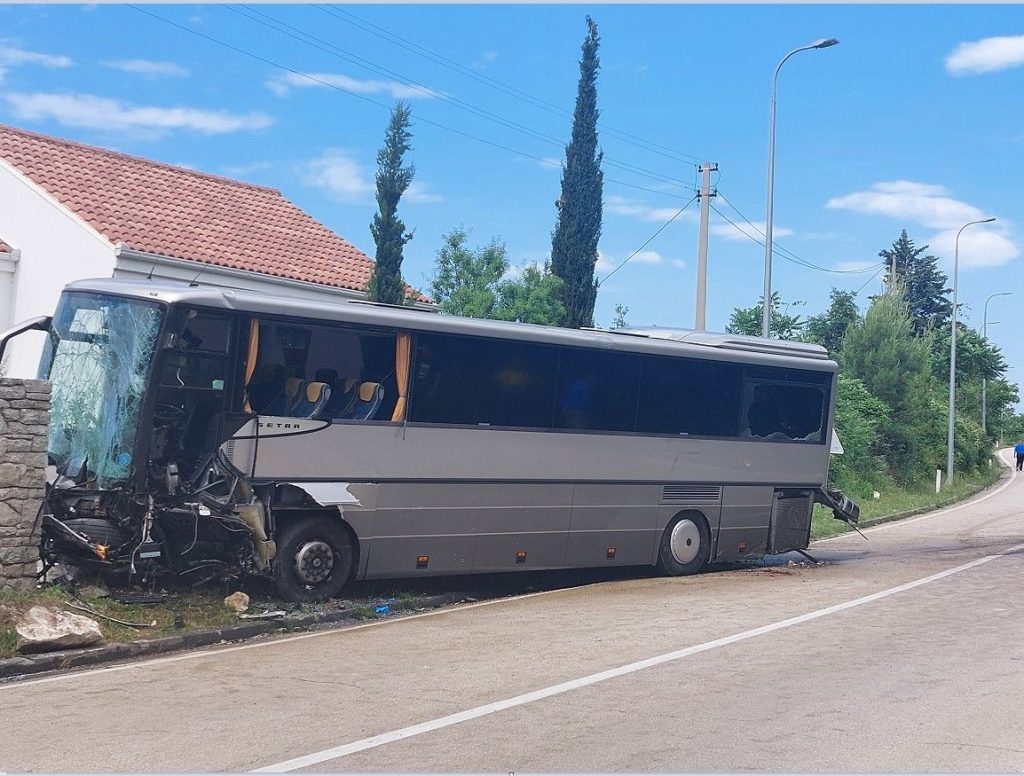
(370, 397)
(266, 389)
(292, 393)
(312, 401)
(285, 396)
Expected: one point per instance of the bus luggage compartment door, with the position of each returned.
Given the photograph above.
(791, 520)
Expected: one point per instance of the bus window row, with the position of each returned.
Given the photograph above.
(473, 381)
(340, 372)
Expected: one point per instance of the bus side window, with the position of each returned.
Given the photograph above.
(785, 410)
(597, 391)
(482, 382)
(324, 371)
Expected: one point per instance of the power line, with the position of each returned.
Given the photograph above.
(331, 49)
(494, 83)
(791, 257)
(877, 273)
(649, 240)
(364, 98)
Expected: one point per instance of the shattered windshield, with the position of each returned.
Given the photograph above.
(98, 360)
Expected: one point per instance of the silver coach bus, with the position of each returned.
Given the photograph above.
(206, 433)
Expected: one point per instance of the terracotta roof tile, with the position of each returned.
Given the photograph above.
(4, 247)
(183, 214)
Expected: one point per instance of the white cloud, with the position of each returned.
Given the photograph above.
(148, 68)
(419, 194)
(647, 257)
(12, 56)
(729, 232)
(337, 173)
(627, 207)
(485, 59)
(980, 246)
(921, 203)
(281, 85)
(988, 55)
(606, 263)
(932, 208)
(87, 110)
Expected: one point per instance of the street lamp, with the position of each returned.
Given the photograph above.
(767, 311)
(952, 350)
(984, 336)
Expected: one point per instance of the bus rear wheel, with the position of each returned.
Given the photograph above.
(685, 546)
(314, 559)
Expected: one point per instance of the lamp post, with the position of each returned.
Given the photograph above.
(767, 309)
(952, 350)
(984, 336)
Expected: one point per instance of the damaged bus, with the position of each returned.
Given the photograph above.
(201, 433)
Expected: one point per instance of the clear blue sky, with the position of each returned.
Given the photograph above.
(914, 121)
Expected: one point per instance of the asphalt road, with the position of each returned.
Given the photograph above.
(901, 653)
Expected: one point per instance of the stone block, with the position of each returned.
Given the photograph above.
(38, 417)
(12, 389)
(12, 474)
(9, 516)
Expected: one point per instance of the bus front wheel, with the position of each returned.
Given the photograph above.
(685, 546)
(314, 559)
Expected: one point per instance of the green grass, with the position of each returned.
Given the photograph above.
(894, 500)
(198, 611)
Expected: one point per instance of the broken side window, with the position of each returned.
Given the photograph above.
(784, 410)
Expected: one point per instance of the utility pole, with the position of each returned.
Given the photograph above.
(705, 196)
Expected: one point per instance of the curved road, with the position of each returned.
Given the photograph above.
(901, 653)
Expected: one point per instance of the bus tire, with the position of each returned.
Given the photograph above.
(314, 559)
(685, 545)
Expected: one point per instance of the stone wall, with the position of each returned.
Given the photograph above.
(24, 424)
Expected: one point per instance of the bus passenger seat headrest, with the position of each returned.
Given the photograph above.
(367, 390)
(315, 390)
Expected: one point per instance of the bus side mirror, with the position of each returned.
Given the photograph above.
(41, 323)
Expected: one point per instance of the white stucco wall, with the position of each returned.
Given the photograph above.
(56, 248)
(8, 266)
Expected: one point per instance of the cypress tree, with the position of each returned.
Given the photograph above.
(923, 282)
(386, 284)
(578, 228)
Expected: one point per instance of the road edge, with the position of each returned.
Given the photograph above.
(26, 665)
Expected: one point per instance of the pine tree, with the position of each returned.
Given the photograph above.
(578, 228)
(923, 282)
(895, 366)
(386, 284)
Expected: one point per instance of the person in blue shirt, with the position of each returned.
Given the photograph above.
(1019, 450)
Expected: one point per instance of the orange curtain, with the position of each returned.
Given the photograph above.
(250, 362)
(403, 350)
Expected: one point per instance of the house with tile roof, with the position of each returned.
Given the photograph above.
(70, 211)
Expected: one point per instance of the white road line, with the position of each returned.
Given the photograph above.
(344, 750)
(928, 516)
